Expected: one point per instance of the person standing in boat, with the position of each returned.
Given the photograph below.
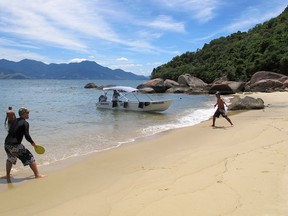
(115, 98)
(115, 95)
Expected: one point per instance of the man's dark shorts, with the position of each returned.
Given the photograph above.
(219, 112)
(19, 151)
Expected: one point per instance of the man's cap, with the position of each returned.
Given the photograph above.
(23, 110)
(217, 93)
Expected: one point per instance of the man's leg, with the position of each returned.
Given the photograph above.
(8, 170)
(214, 119)
(34, 168)
(228, 119)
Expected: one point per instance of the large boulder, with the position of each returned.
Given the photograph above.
(187, 90)
(220, 80)
(90, 85)
(227, 87)
(196, 85)
(157, 84)
(147, 90)
(246, 103)
(267, 85)
(285, 84)
(265, 81)
(222, 88)
(178, 90)
(170, 83)
(197, 91)
(266, 75)
(191, 81)
(237, 86)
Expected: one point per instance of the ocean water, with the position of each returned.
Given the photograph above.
(65, 120)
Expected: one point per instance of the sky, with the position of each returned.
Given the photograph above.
(133, 35)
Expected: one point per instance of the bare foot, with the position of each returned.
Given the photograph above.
(40, 176)
(5, 177)
(9, 180)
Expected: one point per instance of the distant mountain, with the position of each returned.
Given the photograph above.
(31, 69)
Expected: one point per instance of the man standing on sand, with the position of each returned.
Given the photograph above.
(220, 109)
(14, 147)
(10, 117)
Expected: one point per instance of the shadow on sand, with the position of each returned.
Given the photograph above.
(219, 127)
(13, 180)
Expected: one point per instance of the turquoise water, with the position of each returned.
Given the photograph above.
(65, 120)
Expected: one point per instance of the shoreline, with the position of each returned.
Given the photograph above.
(196, 170)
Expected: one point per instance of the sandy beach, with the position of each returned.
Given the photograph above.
(199, 170)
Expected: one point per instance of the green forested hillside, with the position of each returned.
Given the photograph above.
(238, 56)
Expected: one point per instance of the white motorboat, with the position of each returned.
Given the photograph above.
(130, 99)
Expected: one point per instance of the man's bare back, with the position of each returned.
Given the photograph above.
(10, 115)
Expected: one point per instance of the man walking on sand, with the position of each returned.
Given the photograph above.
(220, 109)
(14, 147)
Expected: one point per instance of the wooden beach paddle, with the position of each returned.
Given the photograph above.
(39, 149)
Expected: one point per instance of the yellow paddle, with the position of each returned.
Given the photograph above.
(39, 149)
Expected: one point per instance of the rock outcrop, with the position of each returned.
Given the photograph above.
(191, 81)
(170, 83)
(157, 84)
(91, 85)
(246, 103)
(264, 81)
(227, 87)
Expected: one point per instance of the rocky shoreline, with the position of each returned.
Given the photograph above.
(262, 81)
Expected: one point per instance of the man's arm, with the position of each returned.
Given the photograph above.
(5, 119)
(27, 135)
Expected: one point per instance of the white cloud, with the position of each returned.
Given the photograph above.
(127, 67)
(253, 16)
(17, 44)
(68, 25)
(18, 55)
(122, 59)
(203, 10)
(36, 23)
(166, 23)
(77, 60)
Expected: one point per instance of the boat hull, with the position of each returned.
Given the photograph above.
(151, 106)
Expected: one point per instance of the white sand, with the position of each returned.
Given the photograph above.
(199, 170)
